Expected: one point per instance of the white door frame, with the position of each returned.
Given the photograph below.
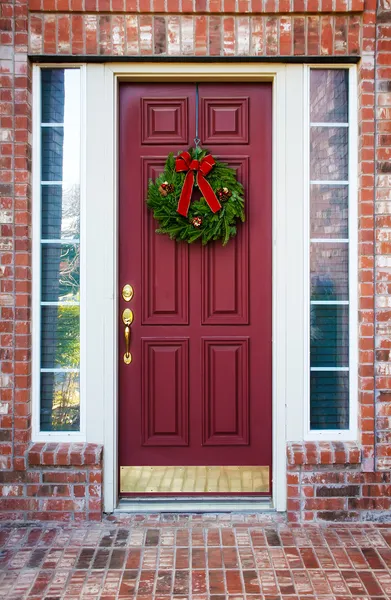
(102, 239)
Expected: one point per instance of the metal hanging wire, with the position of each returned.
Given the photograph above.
(197, 140)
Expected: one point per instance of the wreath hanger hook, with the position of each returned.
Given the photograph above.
(196, 139)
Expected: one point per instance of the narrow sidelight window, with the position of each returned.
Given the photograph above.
(329, 250)
(59, 250)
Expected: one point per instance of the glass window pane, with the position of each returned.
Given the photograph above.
(329, 95)
(53, 93)
(60, 97)
(329, 211)
(329, 400)
(60, 263)
(60, 212)
(329, 335)
(329, 153)
(52, 153)
(60, 273)
(60, 345)
(60, 155)
(60, 402)
(329, 260)
(329, 271)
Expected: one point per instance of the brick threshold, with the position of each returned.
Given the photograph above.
(191, 504)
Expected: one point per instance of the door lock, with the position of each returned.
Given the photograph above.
(127, 292)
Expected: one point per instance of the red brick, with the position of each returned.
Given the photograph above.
(300, 27)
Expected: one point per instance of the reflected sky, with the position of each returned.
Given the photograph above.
(71, 160)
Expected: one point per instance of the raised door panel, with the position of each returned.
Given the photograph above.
(224, 120)
(165, 266)
(226, 415)
(164, 121)
(225, 270)
(165, 392)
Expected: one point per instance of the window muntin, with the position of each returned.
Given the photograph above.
(60, 136)
(329, 261)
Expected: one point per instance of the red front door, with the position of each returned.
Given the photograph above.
(198, 391)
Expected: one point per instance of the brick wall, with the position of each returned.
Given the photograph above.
(189, 35)
(63, 482)
(324, 482)
(383, 238)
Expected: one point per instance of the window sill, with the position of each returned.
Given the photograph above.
(64, 454)
(323, 453)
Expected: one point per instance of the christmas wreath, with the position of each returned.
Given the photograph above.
(214, 215)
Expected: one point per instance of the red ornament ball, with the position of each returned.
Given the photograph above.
(197, 222)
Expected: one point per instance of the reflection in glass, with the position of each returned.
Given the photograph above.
(52, 97)
(60, 212)
(329, 257)
(60, 96)
(329, 211)
(60, 221)
(329, 153)
(52, 141)
(329, 95)
(60, 273)
(329, 335)
(329, 271)
(329, 400)
(60, 401)
(60, 345)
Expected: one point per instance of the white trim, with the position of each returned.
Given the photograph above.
(329, 240)
(60, 370)
(64, 303)
(62, 241)
(326, 302)
(279, 225)
(83, 246)
(352, 432)
(306, 249)
(329, 125)
(37, 434)
(332, 369)
(329, 182)
(293, 267)
(102, 82)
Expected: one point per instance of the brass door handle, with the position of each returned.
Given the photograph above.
(127, 355)
(127, 319)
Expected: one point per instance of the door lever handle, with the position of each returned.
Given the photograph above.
(127, 319)
(127, 355)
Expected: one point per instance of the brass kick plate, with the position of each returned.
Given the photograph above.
(175, 480)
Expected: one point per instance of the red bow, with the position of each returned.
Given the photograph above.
(202, 167)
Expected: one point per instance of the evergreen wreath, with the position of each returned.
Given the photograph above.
(214, 216)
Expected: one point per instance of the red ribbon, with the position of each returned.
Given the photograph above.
(198, 169)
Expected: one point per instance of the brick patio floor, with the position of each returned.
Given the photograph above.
(195, 556)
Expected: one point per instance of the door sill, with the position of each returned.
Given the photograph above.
(201, 504)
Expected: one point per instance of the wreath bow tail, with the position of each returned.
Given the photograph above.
(201, 168)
